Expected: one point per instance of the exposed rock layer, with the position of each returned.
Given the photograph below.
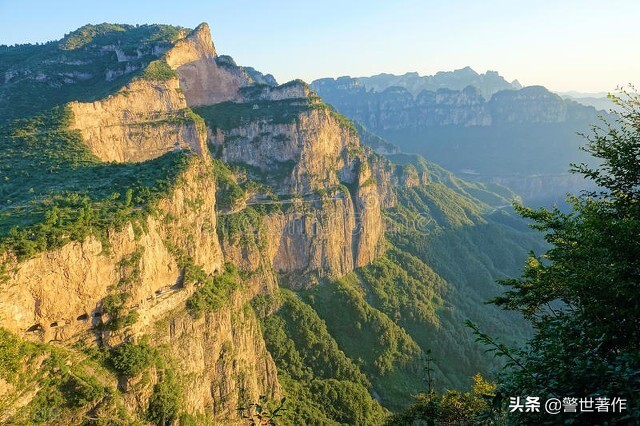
(221, 358)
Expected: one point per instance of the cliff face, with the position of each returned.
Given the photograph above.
(512, 136)
(149, 117)
(58, 294)
(203, 78)
(331, 222)
(311, 154)
(311, 162)
(142, 121)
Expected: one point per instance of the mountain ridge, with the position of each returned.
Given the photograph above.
(149, 224)
(515, 137)
(487, 83)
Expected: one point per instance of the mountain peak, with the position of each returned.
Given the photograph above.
(201, 36)
(198, 44)
(488, 83)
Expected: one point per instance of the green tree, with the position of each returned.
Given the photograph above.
(583, 295)
(449, 408)
(165, 402)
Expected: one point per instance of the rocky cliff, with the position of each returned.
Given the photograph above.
(184, 241)
(142, 121)
(512, 135)
(204, 78)
(149, 277)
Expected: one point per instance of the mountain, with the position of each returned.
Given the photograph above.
(487, 83)
(598, 100)
(524, 138)
(181, 239)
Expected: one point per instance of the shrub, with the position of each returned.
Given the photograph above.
(164, 403)
(130, 359)
(11, 352)
(158, 70)
(214, 293)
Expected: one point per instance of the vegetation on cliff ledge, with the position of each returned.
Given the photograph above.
(55, 191)
(231, 115)
(83, 66)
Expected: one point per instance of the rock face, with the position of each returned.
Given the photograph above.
(58, 294)
(512, 135)
(313, 153)
(204, 79)
(336, 224)
(313, 160)
(142, 121)
(222, 359)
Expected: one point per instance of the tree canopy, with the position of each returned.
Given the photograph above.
(583, 295)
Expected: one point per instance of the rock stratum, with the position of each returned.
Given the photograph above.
(168, 197)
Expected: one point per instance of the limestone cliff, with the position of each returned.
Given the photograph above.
(137, 283)
(331, 221)
(203, 78)
(312, 153)
(58, 294)
(222, 360)
(142, 121)
(150, 115)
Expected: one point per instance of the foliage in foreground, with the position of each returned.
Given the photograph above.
(582, 296)
(450, 407)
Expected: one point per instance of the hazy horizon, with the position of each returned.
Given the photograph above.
(578, 46)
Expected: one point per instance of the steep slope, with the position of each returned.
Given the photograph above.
(105, 254)
(148, 223)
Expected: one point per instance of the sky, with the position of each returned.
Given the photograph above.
(581, 45)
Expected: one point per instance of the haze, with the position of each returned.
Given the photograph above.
(586, 46)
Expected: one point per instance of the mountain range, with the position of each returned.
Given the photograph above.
(182, 239)
(488, 83)
(524, 138)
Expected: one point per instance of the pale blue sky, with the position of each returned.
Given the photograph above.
(563, 44)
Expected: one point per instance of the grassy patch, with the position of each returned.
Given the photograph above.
(131, 359)
(323, 386)
(158, 70)
(63, 382)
